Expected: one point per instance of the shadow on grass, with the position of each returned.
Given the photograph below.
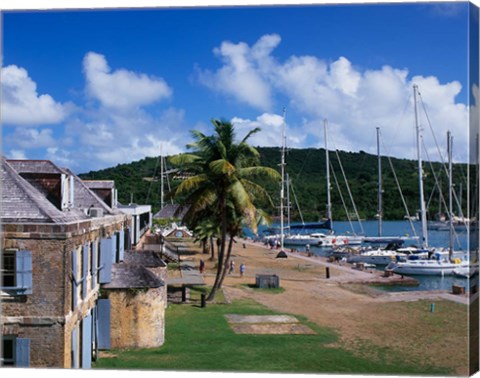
(272, 290)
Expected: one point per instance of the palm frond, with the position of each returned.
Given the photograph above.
(191, 183)
(249, 134)
(256, 191)
(222, 167)
(242, 202)
(266, 172)
(184, 159)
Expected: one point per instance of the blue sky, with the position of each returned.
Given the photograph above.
(94, 88)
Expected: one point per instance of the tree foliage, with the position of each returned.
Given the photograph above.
(306, 169)
(220, 190)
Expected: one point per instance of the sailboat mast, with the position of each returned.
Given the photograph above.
(161, 180)
(450, 194)
(327, 159)
(380, 205)
(288, 200)
(282, 192)
(423, 212)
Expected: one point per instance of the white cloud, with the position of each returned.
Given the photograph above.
(121, 89)
(343, 77)
(61, 157)
(271, 129)
(137, 149)
(243, 70)
(22, 105)
(31, 138)
(17, 154)
(105, 139)
(354, 100)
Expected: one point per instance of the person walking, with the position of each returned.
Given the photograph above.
(232, 267)
(202, 266)
(242, 269)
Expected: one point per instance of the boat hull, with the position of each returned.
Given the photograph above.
(376, 260)
(427, 268)
(301, 241)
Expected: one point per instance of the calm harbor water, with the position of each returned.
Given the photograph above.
(437, 239)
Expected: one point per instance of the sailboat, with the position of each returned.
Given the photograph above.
(294, 239)
(440, 265)
(329, 238)
(394, 250)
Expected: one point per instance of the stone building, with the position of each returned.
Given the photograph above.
(59, 242)
(136, 298)
(141, 214)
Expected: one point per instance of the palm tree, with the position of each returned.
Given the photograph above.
(222, 185)
(206, 230)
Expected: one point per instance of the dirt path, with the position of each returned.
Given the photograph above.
(361, 316)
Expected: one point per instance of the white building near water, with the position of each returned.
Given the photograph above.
(141, 219)
(141, 214)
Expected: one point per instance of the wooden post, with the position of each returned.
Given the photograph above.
(184, 293)
(327, 271)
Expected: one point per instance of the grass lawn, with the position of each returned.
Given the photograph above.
(200, 339)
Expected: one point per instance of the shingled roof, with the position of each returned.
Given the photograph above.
(34, 166)
(22, 202)
(131, 276)
(99, 184)
(148, 259)
(86, 198)
(168, 212)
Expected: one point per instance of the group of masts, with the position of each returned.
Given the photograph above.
(423, 211)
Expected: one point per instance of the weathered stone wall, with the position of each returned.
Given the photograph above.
(46, 339)
(160, 272)
(48, 283)
(137, 318)
(46, 316)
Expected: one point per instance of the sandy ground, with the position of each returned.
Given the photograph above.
(361, 316)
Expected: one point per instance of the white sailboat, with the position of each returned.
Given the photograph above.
(324, 239)
(440, 265)
(280, 237)
(394, 250)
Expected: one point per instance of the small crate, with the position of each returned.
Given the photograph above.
(267, 281)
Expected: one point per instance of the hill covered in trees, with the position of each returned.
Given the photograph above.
(139, 182)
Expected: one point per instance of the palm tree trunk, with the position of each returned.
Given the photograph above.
(227, 261)
(212, 248)
(221, 252)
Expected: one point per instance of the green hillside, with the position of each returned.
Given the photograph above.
(307, 172)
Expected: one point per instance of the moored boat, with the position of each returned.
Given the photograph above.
(447, 263)
(428, 267)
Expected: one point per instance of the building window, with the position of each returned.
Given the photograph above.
(75, 283)
(117, 247)
(98, 263)
(8, 269)
(8, 351)
(16, 272)
(15, 351)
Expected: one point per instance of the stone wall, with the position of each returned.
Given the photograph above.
(137, 317)
(46, 316)
(46, 338)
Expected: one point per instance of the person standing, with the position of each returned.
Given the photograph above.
(232, 267)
